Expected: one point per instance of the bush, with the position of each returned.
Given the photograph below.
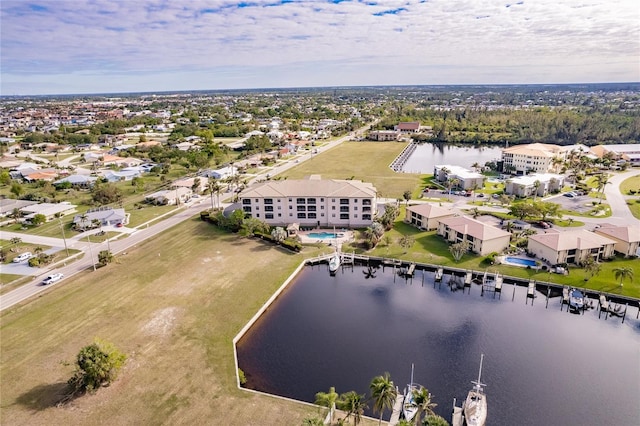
(97, 365)
(291, 245)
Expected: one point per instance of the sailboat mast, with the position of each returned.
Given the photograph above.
(480, 372)
(411, 375)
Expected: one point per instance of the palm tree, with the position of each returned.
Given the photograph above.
(623, 273)
(384, 394)
(328, 400)
(354, 404)
(591, 267)
(459, 249)
(214, 188)
(601, 181)
(476, 166)
(422, 398)
(536, 188)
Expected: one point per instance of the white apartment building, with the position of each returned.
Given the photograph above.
(312, 202)
(539, 184)
(467, 179)
(531, 158)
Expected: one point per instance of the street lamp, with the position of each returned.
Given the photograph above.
(91, 253)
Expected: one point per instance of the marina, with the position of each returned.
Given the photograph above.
(522, 343)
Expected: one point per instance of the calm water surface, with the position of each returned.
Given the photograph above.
(542, 366)
(428, 155)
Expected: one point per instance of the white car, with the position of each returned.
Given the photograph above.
(23, 257)
(52, 279)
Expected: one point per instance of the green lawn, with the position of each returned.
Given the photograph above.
(366, 161)
(431, 249)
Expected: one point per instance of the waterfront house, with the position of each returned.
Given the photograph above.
(483, 238)
(570, 246)
(627, 238)
(426, 216)
(312, 202)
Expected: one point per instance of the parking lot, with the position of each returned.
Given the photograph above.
(579, 204)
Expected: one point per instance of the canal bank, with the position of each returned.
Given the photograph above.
(374, 317)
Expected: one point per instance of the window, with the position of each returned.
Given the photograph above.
(344, 201)
(311, 208)
(344, 208)
(321, 214)
(311, 200)
(355, 207)
(268, 200)
(246, 209)
(322, 200)
(268, 208)
(311, 216)
(300, 200)
(366, 217)
(257, 214)
(366, 202)
(246, 201)
(333, 207)
(279, 215)
(302, 215)
(268, 216)
(344, 216)
(302, 208)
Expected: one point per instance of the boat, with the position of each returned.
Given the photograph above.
(409, 406)
(475, 406)
(576, 299)
(334, 263)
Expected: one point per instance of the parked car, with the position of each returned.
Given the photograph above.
(569, 194)
(52, 279)
(480, 195)
(23, 257)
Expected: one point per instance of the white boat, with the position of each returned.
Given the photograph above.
(475, 406)
(576, 299)
(334, 263)
(409, 406)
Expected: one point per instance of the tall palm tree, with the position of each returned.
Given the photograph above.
(384, 394)
(601, 181)
(623, 273)
(422, 398)
(214, 188)
(328, 399)
(354, 404)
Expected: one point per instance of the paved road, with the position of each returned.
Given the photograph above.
(91, 250)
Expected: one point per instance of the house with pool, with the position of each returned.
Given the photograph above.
(570, 246)
(312, 203)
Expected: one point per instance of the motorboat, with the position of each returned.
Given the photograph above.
(334, 263)
(475, 406)
(409, 406)
(576, 299)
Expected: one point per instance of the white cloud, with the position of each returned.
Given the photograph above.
(316, 43)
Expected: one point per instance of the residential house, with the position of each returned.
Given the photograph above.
(312, 202)
(537, 184)
(81, 181)
(170, 197)
(120, 175)
(100, 217)
(482, 238)
(466, 179)
(9, 205)
(49, 210)
(426, 216)
(221, 173)
(627, 238)
(197, 184)
(570, 246)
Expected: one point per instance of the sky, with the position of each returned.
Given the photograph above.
(113, 46)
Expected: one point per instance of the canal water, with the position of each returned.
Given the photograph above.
(428, 155)
(542, 365)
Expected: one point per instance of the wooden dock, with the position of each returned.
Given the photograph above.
(411, 269)
(397, 410)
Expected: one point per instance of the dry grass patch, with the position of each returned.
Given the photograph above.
(173, 305)
(366, 161)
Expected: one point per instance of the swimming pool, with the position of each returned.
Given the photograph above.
(323, 235)
(520, 261)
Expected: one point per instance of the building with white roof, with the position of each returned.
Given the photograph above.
(539, 184)
(535, 157)
(467, 179)
(628, 153)
(312, 202)
(49, 210)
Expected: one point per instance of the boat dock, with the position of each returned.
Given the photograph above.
(397, 410)
(467, 278)
(457, 417)
(439, 274)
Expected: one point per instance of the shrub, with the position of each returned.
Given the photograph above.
(97, 365)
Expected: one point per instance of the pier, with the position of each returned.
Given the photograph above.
(398, 162)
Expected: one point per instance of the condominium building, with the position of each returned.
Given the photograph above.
(570, 246)
(538, 184)
(312, 202)
(535, 157)
(466, 179)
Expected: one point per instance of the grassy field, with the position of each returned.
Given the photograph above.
(173, 305)
(366, 161)
(632, 184)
